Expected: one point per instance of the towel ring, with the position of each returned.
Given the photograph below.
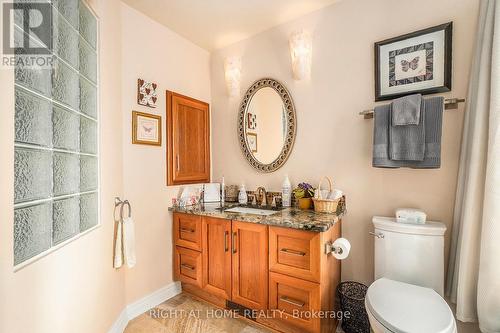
(120, 203)
(126, 202)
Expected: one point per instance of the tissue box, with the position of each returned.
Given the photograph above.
(211, 192)
(410, 215)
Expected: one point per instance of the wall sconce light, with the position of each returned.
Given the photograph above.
(232, 71)
(301, 52)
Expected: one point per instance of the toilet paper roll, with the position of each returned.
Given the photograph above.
(342, 248)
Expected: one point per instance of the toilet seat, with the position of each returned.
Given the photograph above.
(405, 308)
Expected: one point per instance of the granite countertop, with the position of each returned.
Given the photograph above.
(288, 217)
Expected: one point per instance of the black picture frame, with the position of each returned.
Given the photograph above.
(448, 36)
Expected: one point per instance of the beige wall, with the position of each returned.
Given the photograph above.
(154, 53)
(332, 139)
(74, 289)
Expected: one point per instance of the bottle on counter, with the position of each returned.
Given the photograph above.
(286, 192)
(223, 192)
(242, 195)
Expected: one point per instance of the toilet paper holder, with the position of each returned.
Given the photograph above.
(330, 248)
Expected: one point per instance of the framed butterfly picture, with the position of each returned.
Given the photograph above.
(146, 93)
(418, 62)
(146, 129)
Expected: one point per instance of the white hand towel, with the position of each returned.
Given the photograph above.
(129, 242)
(118, 261)
(335, 194)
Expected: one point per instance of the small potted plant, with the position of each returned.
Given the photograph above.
(303, 194)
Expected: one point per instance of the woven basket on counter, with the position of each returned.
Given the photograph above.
(325, 205)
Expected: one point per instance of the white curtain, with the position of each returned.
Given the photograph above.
(474, 267)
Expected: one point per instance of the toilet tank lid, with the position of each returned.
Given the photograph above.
(390, 224)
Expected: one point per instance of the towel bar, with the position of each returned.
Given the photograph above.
(449, 104)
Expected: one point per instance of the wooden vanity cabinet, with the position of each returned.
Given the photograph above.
(231, 256)
(188, 140)
(263, 268)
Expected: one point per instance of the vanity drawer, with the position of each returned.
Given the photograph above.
(298, 299)
(188, 266)
(187, 231)
(295, 252)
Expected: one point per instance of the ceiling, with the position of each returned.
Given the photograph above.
(213, 24)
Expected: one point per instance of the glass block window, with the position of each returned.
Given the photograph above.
(56, 164)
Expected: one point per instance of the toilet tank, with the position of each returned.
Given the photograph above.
(411, 253)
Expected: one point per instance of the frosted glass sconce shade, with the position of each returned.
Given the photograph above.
(232, 70)
(301, 52)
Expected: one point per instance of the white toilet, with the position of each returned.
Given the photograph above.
(409, 272)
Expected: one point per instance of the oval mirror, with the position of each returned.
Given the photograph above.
(266, 125)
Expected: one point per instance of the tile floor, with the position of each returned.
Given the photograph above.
(190, 316)
(185, 314)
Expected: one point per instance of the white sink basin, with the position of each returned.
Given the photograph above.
(255, 211)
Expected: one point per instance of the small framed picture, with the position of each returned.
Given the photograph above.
(418, 62)
(251, 121)
(146, 93)
(146, 129)
(252, 142)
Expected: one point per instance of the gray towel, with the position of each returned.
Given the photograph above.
(406, 110)
(433, 119)
(407, 143)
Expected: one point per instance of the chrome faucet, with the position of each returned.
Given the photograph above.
(261, 193)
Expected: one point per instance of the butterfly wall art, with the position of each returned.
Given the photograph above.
(407, 65)
(146, 129)
(418, 62)
(146, 93)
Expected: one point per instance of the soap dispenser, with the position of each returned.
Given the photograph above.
(242, 195)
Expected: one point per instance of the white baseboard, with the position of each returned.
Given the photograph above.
(144, 304)
(150, 301)
(120, 323)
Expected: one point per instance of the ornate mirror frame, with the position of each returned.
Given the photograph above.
(291, 122)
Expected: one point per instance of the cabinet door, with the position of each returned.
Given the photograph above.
(249, 246)
(217, 257)
(188, 130)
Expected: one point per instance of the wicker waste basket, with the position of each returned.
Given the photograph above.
(352, 299)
